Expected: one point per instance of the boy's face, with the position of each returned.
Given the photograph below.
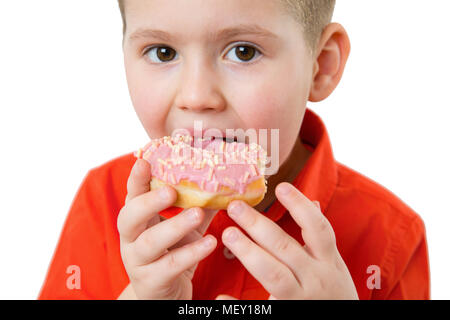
(235, 81)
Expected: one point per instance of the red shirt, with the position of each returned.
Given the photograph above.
(373, 228)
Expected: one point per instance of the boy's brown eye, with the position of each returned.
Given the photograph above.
(160, 54)
(165, 53)
(245, 53)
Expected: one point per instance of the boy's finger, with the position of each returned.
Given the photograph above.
(199, 232)
(273, 275)
(316, 229)
(134, 217)
(270, 236)
(155, 241)
(139, 179)
(175, 262)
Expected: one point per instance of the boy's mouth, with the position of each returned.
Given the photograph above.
(210, 138)
(226, 139)
(204, 141)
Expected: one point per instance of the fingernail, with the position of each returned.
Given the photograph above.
(235, 208)
(284, 189)
(193, 215)
(231, 235)
(207, 242)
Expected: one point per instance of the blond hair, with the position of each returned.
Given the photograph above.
(312, 16)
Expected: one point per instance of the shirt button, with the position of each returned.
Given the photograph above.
(228, 254)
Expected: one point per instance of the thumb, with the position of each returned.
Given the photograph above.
(225, 297)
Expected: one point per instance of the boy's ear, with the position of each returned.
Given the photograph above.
(332, 54)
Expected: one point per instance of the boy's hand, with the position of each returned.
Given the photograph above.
(160, 256)
(285, 268)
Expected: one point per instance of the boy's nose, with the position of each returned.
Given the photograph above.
(199, 90)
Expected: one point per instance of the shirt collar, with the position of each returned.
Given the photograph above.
(318, 178)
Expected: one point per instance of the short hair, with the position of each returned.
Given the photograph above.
(312, 16)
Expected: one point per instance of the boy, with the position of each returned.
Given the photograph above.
(322, 231)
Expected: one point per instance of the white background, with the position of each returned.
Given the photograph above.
(65, 108)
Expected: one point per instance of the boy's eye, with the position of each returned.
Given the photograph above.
(159, 54)
(244, 52)
(164, 54)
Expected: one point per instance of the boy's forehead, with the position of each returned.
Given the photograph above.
(184, 15)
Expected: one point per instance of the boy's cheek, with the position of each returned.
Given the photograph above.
(150, 110)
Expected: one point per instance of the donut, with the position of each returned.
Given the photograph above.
(207, 173)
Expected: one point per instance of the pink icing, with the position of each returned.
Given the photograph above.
(210, 164)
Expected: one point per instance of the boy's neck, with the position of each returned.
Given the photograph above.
(287, 172)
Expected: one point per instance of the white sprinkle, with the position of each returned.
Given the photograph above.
(216, 186)
(210, 173)
(172, 178)
(139, 153)
(253, 170)
(147, 154)
(230, 181)
(246, 175)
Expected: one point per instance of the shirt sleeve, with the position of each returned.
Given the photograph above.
(84, 260)
(411, 271)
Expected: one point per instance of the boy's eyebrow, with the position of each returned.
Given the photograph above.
(249, 29)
